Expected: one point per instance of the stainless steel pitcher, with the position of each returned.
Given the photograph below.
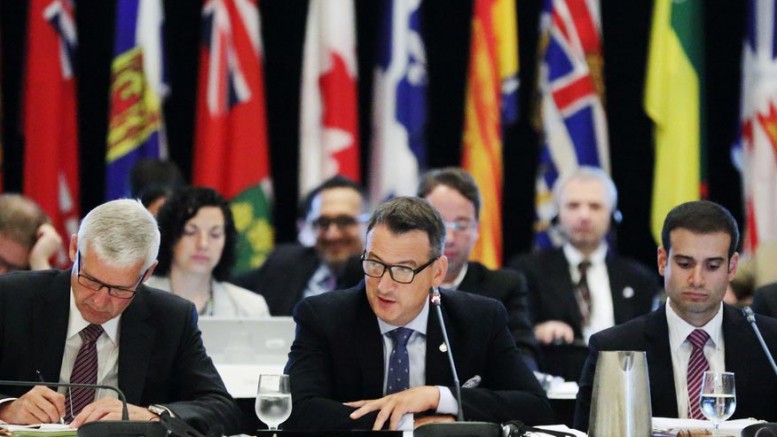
(620, 403)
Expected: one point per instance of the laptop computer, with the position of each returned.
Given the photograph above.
(265, 341)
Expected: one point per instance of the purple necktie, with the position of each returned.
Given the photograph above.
(84, 371)
(696, 367)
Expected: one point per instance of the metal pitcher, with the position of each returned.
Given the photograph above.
(620, 404)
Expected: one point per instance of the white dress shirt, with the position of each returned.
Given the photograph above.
(681, 349)
(602, 314)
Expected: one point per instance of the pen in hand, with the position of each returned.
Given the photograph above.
(42, 380)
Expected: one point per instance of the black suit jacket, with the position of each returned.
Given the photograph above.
(508, 287)
(765, 300)
(283, 277)
(337, 356)
(756, 383)
(161, 356)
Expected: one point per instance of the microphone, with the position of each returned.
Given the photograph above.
(103, 428)
(436, 300)
(750, 316)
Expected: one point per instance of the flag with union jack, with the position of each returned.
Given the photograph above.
(572, 110)
(398, 148)
(50, 115)
(231, 149)
(138, 88)
(758, 144)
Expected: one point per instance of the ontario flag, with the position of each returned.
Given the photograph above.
(399, 96)
(138, 88)
(491, 106)
(571, 87)
(758, 144)
(329, 135)
(231, 150)
(50, 115)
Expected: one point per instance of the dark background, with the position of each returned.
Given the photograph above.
(625, 27)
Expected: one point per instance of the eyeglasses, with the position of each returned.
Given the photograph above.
(401, 274)
(114, 290)
(340, 221)
(459, 225)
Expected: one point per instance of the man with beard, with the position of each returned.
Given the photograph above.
(335, 212)
(582, 287)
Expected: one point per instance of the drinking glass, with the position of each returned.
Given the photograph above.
(718, 397)
(273, 400)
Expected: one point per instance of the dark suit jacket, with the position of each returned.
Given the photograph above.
(283, 277)
(756, 383)
(508, 287)
(337, 356)
(161, 356)
(765, 300)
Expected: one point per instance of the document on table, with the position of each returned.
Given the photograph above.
(672, 426)
(40, 430)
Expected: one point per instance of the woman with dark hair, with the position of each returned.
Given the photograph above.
(197, 253)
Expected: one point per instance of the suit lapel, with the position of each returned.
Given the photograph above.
(559, 283)
(662, 389)
(135, 343)
(740, 342)
(617, 285)
(438, 369)
(49, 328)
(369, 350)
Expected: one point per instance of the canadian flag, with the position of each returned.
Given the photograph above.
(329, 137)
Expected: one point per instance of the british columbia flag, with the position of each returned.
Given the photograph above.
(572, 110)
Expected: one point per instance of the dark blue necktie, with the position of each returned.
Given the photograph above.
(399, 363)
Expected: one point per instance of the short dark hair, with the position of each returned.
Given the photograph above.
(701, 217)
(182, 206)
(151, 179)
(405, 214)
(337, 181)
(453, 177)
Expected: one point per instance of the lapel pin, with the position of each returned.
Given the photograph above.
(628, 292)
(443, 348)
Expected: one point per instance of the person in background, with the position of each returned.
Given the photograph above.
(197, 254)
(765, 300)
(373, 357)
(97, 323)
(335, 211)
(695, 330)
(584, 286)
(455, 195)
(27, 239)
(153, 181)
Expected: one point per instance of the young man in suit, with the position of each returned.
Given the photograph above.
(334, 212)
(372, 357)
(695, 330)
(455, 195)
(582, 287)
(98, 323)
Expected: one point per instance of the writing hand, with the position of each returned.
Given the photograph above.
(394, 406)
(39, 405)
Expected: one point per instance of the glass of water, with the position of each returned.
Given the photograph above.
(273, 400)
(718, 396)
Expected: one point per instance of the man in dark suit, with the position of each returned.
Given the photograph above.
(765, 300)
(582, 287)
(373, 356)
(697, 260)
(334, 212)
(145, 341)
(455, 195)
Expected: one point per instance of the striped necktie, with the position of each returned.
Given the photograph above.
(696, 367)
(84, 371)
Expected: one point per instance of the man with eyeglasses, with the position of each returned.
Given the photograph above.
(98, 324)
(455, 195)
(373, 357)
(332, 222)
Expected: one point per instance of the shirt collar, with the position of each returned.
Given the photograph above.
(418, 324)
(575, 257)
(679, 329)
(76, 322)
(457, 281)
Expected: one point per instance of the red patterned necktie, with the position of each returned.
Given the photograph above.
(696, 367)
(84, 371)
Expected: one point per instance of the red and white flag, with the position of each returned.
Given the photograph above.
(329, 136)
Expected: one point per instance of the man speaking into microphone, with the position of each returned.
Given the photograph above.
(98, 324)
(372, 357)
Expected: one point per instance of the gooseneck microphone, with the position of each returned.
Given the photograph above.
(436, 299)
(750, 316)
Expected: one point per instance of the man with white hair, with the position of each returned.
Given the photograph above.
(98, 324)
(582, 287)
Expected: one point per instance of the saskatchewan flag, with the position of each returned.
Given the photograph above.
(674, 100)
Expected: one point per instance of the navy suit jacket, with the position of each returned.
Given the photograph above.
(161, 356)
(337, 356)
(756, 383)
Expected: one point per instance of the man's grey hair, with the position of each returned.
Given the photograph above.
(122, 232)
(587, 173)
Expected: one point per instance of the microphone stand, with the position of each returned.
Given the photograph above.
(750, 316)
(436, 301)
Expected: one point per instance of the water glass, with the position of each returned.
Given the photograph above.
(718, 396)
(273, 400)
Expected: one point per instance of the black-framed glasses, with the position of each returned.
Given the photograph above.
(340, 221)
(95, 284)
(459, 225)
(401, 274)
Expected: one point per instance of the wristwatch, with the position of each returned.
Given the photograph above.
(159, 410)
